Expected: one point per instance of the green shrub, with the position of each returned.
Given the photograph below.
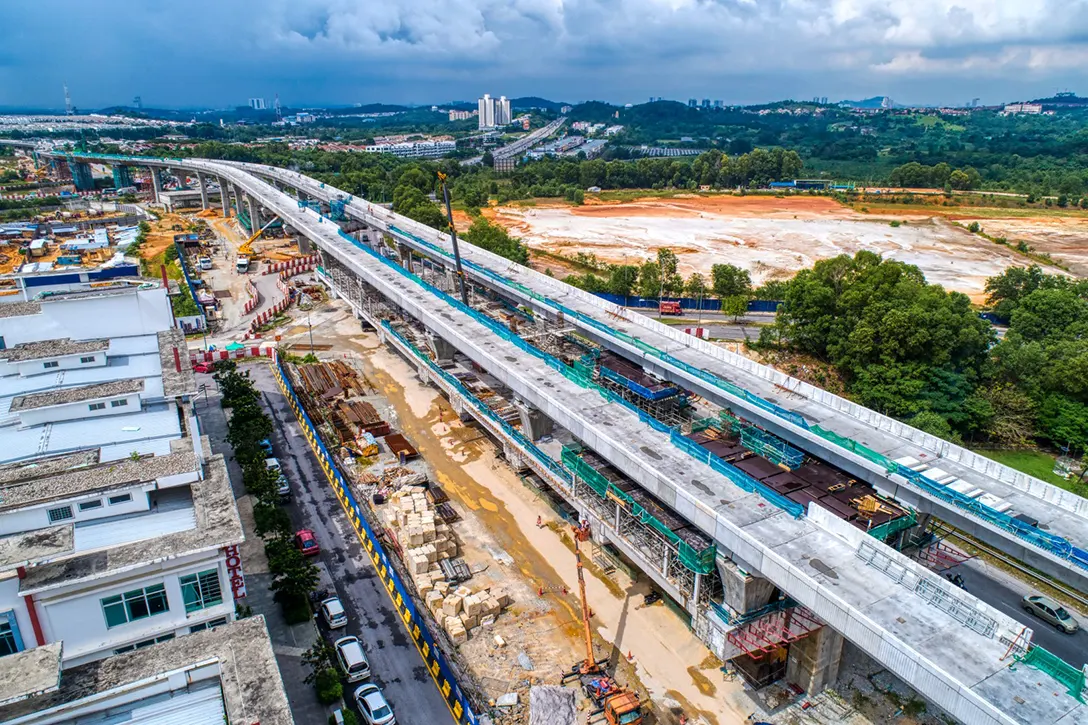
(894, 223)
(295, 609)
(328, 686)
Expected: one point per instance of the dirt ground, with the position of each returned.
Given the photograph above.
(652, 646)
(1063, 238)
(775, 237)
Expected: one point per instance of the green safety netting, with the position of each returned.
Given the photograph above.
(1057, 668)
(698, 561)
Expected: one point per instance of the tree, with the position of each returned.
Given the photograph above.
(649, 280)
(728, 280)
(494, 238)
(959, 180)
(695, 286)
(294, 577)
(736, 306)
(622, 279)
(321, 659)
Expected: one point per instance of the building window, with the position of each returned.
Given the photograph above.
(202, 590)
(120, 498)
(210, 624)
(61, 513)
(119, 403)
(91, 505)
(10, 641)
(144, 644)
(134, 605)
(51, 364)
(97, 406)
(85, 360)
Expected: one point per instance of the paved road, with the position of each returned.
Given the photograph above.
(1005, 593)
(288, 641)
(394, 660)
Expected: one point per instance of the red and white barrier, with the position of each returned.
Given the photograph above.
(293, 266)
(254, 298)
(199, 356)
(701, 332)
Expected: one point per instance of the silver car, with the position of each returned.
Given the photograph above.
(1050, 611)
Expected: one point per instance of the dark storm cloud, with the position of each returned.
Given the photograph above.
(220, 52)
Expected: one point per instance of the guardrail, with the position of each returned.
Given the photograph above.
(1052, 543)
(435, 661)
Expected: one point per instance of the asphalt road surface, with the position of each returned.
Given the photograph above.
(1005, 594)
(396, 665)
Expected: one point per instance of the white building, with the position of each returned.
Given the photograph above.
(1029, 108)
(118, 528)
(486, 111)
(414, 149)
(257, 104)
(226, 674)
(502, 111)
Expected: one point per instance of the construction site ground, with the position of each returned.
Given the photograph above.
(775, 237)
(652, 647)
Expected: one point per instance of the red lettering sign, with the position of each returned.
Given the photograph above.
(234, 571)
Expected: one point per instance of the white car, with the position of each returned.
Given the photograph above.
(352, 658)
(372, 705)
(332, 611)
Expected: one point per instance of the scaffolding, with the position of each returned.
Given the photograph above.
(762, 443)
(1057, 668)
(336, 208)
(761, 636)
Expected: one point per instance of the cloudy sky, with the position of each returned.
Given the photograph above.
(179, 53)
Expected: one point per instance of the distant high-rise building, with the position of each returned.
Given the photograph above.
(823, 100)
(565, 109)
(487, 111)
(719, 103)
(693, 102)
(137, 103)
(68, 111)
(502, 111)
(257, 104)
(706, 103)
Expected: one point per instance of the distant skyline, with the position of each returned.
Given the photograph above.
(336, 52)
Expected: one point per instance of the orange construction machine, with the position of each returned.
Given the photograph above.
(619, 706)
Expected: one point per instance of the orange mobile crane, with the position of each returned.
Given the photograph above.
(619, 705)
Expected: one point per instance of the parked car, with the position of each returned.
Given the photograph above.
(372, 705)
(204, 368)
(306, 542)
(266, 446)
(352, 658)
(332, 611)
(283, 487)
(1050, 611)
(205, 263)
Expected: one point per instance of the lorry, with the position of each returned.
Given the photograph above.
(666, 307)
(242, 265)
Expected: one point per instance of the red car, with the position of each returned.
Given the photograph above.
(204, 368)
(307, 543)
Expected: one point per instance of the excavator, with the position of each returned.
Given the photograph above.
(619, 705)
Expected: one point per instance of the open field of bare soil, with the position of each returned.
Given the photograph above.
(775, 237)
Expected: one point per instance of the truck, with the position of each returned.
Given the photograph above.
(242, 265)
(667, 307)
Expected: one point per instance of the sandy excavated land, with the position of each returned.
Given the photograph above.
(774, 237)
(1064, 238)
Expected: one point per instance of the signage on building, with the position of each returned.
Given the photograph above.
(234, 571)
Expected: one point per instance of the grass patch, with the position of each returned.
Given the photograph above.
(1034, 463)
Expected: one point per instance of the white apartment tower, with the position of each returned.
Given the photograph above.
(502, 111)
(487, 111)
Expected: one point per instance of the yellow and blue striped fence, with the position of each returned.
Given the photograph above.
(433, 659)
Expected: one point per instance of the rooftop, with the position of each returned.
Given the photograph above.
(76, 395)
(19, 309)
(175, 383)
(217, 525)
(30, 673)
(251, 685)
(13, 472)
(51, 348)
(41, 486)
(38, 545)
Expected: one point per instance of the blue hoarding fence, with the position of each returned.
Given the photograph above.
(706, 304)
(433, 658)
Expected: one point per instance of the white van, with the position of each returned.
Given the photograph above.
(205, 263)
(352, 659)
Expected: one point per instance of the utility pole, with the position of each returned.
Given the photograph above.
(453, 235)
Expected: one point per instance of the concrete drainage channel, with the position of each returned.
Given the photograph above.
(433, 659)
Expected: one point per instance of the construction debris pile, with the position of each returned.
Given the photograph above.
(429, 551)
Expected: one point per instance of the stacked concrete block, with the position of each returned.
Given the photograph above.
(455, 628)
(452, 604)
